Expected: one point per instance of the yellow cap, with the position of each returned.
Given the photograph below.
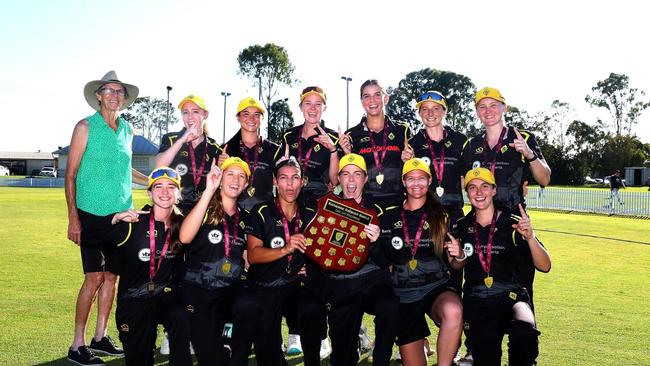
(480, 173)
(233, 160)
(313, 90)
(432, 96)
(164, 172)
(249, 102)
(415, 164)
(194, 99)
(353, 159)
(489, 92)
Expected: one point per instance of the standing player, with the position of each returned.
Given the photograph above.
(495, 301)
(150, 269)
(615, 183)
(190, 150)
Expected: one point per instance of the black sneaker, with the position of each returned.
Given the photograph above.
(84, 356)
(106, 346)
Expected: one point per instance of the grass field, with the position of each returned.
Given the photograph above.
(591, 307)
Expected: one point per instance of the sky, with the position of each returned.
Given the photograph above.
(534, 52)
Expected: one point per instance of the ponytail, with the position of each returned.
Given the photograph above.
(437, 220)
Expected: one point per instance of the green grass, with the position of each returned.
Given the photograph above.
(591, 307)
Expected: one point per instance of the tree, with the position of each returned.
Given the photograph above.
(280, 120)
(458, 90)
(615, 95)
(268, 66)
(148, 116)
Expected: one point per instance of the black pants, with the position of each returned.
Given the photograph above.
(137, 323)
(489, 319)
(209, 309)
(348, 299)
(268, 304)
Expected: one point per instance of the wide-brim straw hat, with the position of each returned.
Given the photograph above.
(110, 77)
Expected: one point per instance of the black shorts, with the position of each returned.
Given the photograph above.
(98, 252)
(412, 323)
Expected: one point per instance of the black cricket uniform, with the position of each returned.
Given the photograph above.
(350, 295)
(182, 163)
(139, 308)
(211, 287)
(312, 156)
(417, 278)
(268, 152)
(488, 310)
(396, 135)
(509, 174)
(275, 285)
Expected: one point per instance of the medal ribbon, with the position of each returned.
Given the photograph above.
(418, 233)
(256, 157)
(152, 248)
(305, 162)
(438, 168)
(497, 148)
(375, 153)
(486, 264)
(197, 175)
(226, 230)
(285, 225)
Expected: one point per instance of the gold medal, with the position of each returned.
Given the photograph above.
(225, 267)
(413, 263)
(440, 191)
(251, 191)
(151, 287)
(379, 178)
(489, 280)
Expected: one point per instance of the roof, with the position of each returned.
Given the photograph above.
(139, 146)
(25, 155)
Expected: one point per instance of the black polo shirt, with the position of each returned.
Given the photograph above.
(262, 174)
(318, 167)
(452, 144)
(133, 260)
(182, 163)
(510, 166)
(392, 164)
(509, 249)
(206, 262)
(265, 223)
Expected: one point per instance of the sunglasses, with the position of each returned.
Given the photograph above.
(111, 91)
(432, 95)
(310, 89)
(164, 173)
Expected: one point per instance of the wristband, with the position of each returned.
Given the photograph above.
(462, 259)
(333, 151)
(533, 158)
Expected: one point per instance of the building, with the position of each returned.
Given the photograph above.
(636, 175)
(24, 163)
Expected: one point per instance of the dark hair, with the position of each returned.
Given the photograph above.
(291, 161)
(437, 220)
(368, 83)
(175, 221)
(215, 209)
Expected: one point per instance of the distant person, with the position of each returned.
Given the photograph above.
(100, 148)
(190, 151)
(151, 269)
(615, 183)
(495, 302)
(647, 183)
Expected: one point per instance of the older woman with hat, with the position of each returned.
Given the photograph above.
(259, 154)
(190, 150)
(415, 240)
(495, 301)
(98, 182)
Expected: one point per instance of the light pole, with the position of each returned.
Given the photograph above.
(225, 97)
(347, 100)
(169, 88)
(259, 85)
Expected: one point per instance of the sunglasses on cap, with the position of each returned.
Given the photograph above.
(164, 173)
(430, 96)
(310, 89)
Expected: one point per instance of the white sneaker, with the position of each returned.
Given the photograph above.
(164, 346)
(325, 348)
(293, 345)
(468, 360)
(365, 343)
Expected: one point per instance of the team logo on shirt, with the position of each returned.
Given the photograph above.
(181, 169)
(426, 160)
(215, 236)
(391, 136)
(144, 254)
(468, 248)
(476, 164)
(479, 150)
(397, 242)
(277, 242)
